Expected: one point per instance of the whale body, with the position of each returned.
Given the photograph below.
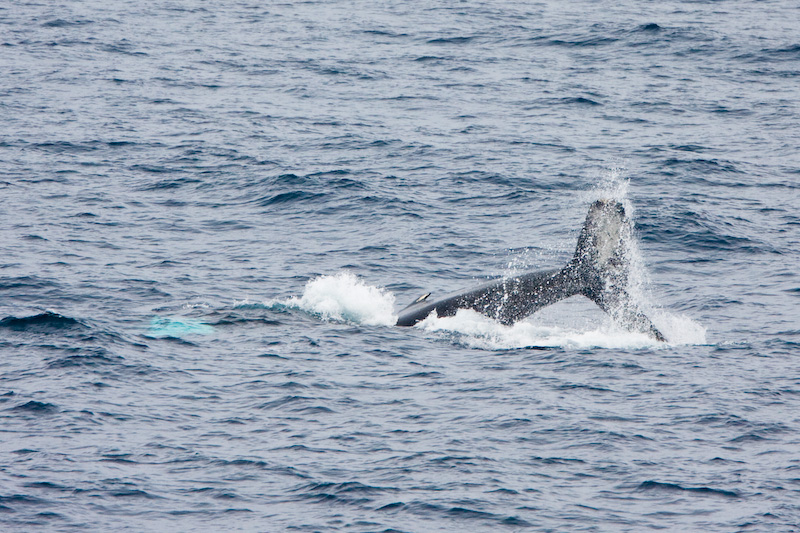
(599, 270)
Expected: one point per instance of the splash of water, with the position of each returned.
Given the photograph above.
(678, 329)
(344, 297)
(474, 330)
(612, 185)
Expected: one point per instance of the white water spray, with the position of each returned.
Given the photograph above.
(678, 329)
(344, 297)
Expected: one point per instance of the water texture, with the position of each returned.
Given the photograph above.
(212, 211)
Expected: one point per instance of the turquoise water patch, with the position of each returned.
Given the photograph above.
(171, 327)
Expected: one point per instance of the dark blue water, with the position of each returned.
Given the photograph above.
(212, 211)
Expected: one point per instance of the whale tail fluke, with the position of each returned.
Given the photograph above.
(602, 263)
(599, 270)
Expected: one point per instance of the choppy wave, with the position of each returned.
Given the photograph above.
(48, 321)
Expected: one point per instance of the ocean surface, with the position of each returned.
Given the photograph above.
(211, 213)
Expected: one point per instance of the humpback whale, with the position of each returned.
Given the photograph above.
(599, 270)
